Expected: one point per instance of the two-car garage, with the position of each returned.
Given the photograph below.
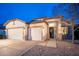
(19, 30)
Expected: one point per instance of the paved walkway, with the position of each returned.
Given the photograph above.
(52, 43)
(49, 43)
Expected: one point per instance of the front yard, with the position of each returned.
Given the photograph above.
(64, 48)
(11, 47)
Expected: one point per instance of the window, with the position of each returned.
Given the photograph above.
(14, 23)
(64, 30)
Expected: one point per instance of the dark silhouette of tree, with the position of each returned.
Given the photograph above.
(73, 13)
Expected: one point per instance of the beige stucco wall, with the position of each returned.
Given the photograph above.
(59, 31)
(44, 29)
(18, 26)
(26, 33)
(58, 34)
(44, 25)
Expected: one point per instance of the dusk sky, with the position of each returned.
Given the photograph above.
(27, 12)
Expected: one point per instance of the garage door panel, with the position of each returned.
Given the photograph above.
(15, 33)
(36, 34)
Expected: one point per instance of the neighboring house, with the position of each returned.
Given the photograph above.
(39, 29)
(16, 29)
(2, 31)
(76, 32)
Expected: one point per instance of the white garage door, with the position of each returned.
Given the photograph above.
(15, 33)
(36, 34)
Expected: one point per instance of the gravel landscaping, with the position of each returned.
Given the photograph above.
(64, 48)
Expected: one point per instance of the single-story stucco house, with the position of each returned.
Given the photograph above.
(39, 29)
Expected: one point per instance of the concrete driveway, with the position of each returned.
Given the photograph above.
(9, 47)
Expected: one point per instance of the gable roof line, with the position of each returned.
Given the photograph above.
(46, 18)
(39, 22)
(13, 20)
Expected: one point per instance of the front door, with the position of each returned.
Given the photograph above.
(52, 32)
